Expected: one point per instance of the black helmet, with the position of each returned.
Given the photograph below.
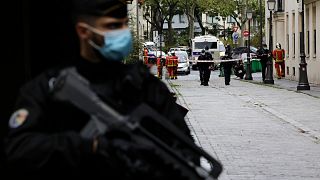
(112, 8)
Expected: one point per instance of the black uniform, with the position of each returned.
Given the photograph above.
(227, 66)
(204, 68)
(239, 70)
(48, 141)
(263, 55)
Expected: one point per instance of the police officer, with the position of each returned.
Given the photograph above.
(43, 138)
(263, 54)
(227, 66)
(204, 67)
(208, 54)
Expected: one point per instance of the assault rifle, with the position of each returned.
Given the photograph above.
(169, 142)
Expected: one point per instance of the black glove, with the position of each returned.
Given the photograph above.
(136, 157)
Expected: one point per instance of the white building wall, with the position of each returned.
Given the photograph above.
(136, 19)
(180, 22)
(286, 30)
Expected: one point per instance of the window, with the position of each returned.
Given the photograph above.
(300, 41)
(308, 44)
(307, 38)
(287, 37)
(181, 18)
(288, 52)
(314, 17)
(202, 45)
(280, 5)
(315, 42)
(294, 71)
(294, 44)
(293, 34)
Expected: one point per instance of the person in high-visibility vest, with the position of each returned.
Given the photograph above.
(175, 65)
(145, 55)
(278, 56)
(170, 65)
(159, 66)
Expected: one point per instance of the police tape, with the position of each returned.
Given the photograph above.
(219, 60)
(157, 57)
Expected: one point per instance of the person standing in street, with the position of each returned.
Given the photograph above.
(278, 56)
(145, 55)
(44, 133)
(169, 65)
(175, 66)
(227, 65)
(263, 54)
(204, 67)
(159, 67)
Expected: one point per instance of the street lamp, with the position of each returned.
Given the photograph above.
(248, 71)
(260, 23)
(269, 75)
(303, 76)
(224, 27)
(147, 16)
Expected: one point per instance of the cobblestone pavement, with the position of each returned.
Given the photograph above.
(257, 132)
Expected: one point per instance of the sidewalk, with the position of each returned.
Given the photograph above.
(258, 132)
(287, 84)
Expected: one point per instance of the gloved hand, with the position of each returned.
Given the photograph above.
(135, 156)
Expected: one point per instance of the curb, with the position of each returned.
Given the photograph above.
(277, 87)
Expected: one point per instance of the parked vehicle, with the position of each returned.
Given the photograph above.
(241, 52)
(183, 62)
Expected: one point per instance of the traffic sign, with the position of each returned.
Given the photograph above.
(246, 33)
(235, 37)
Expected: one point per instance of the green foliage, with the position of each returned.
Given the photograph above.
(234, 8)
(255, 41)
(136, 50)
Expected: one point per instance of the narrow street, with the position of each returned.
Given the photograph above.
(257, 132)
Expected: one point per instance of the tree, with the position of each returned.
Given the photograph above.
(164, 10)
(136, 51)
(189, 11)
(236, 9)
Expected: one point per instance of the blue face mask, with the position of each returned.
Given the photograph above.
(117, 45)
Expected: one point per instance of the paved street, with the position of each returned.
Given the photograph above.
(256, 131)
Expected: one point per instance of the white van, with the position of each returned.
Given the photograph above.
(149, 45)
(199, 43)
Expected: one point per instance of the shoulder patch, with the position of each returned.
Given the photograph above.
(18, 118)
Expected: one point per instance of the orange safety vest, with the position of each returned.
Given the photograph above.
(169, 61)
(159, 64)
(175, 60)
(278, 55)
(145, 54)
